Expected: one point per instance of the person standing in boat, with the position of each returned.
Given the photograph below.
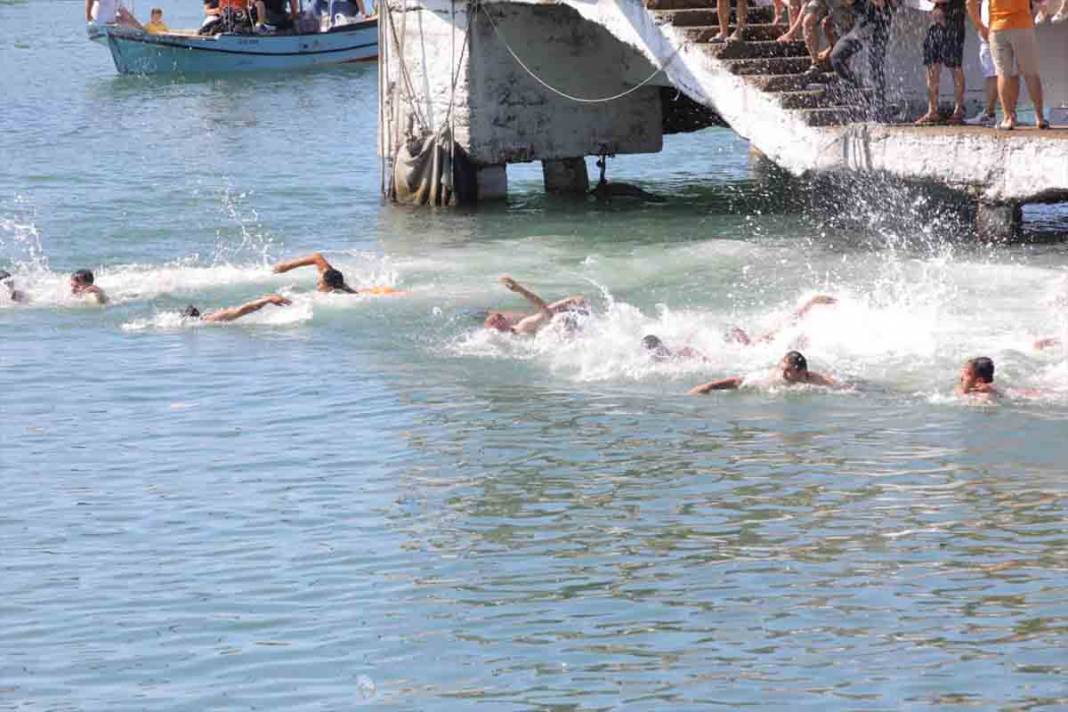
(271, 15)
(109, 12)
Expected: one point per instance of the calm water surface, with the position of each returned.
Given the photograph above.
(361, 502)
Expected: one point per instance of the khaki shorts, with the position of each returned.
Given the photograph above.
(1006, 45)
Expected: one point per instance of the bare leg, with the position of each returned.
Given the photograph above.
(777, 17)
(991, 95)
(808, 31)
(723, 12)
(791, 32)
(958, 93)
(743, 12)
(1009, 91)
(934, 73)
(1034, 88)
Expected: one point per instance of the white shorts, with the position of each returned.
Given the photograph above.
(986, 61)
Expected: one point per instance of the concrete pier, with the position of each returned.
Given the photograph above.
(998, 221)
(566, 176)
(524, 80)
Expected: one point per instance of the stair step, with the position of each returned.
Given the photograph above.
(692, 17)
(808, 99)
(772, 65)
(756, 32)
(756, 50)
(835, 116)
(788, 82)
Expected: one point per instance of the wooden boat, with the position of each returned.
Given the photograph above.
(138, 52)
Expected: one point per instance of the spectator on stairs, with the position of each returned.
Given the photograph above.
(871, 30)
(723, 11)
(833, 18)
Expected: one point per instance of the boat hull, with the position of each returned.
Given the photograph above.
(136, 52)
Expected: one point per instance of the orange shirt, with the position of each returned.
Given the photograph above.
(236, 4)
(1010, 15)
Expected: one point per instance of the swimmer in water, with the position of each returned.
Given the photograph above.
(977, 378)
(793, 371)
(330, 280)
(529, 324)
(659, 352)
(81, 285)
(1047, 343)
(739, 335)
(233, 313)
(15, 295)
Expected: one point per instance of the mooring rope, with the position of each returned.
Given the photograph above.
(558, 92)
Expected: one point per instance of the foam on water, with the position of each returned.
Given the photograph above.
(906, 330)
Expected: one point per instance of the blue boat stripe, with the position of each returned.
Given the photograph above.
(171, 45)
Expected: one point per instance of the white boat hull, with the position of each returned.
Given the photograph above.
(137, 52)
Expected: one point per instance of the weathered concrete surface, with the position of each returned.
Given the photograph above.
(998, 221)
(492, 182)
(1025, 165)
(566, 176)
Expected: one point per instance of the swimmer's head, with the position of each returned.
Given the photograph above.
(191, 312)
(655, 347)
(81, 279)
(794, 367)
(332, 280)
(497, 322)
(7, 280)
(570, 322)
(976, 370)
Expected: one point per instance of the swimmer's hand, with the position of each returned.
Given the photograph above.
(278, 300)
(509, 283)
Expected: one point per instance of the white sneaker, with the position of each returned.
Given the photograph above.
(982, 119)
(1060, 17)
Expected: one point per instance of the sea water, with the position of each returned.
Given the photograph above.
(372, 502)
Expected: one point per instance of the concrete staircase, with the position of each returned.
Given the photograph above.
(775, 68)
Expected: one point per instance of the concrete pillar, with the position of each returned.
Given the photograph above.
(566, 176)
(492, 182)
(998, 222)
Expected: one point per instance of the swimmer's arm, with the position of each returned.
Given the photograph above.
(530, 296)
(245, 309)
(690, 352)
(814, 301)
(96, 293)
(819, 379)
(1047, 343)
(314, 258)
(723, 384)
(576, 302)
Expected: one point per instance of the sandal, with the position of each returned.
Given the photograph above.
(721, 37)
(1041, 124)
(956, 119)
(737, 36)
(1006, 125)
(928, 119)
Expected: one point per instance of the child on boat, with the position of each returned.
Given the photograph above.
(155, 25)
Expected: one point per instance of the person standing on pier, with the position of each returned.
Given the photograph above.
(723, 11)
(1011, 34)
(988, 117)
(944, 47)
